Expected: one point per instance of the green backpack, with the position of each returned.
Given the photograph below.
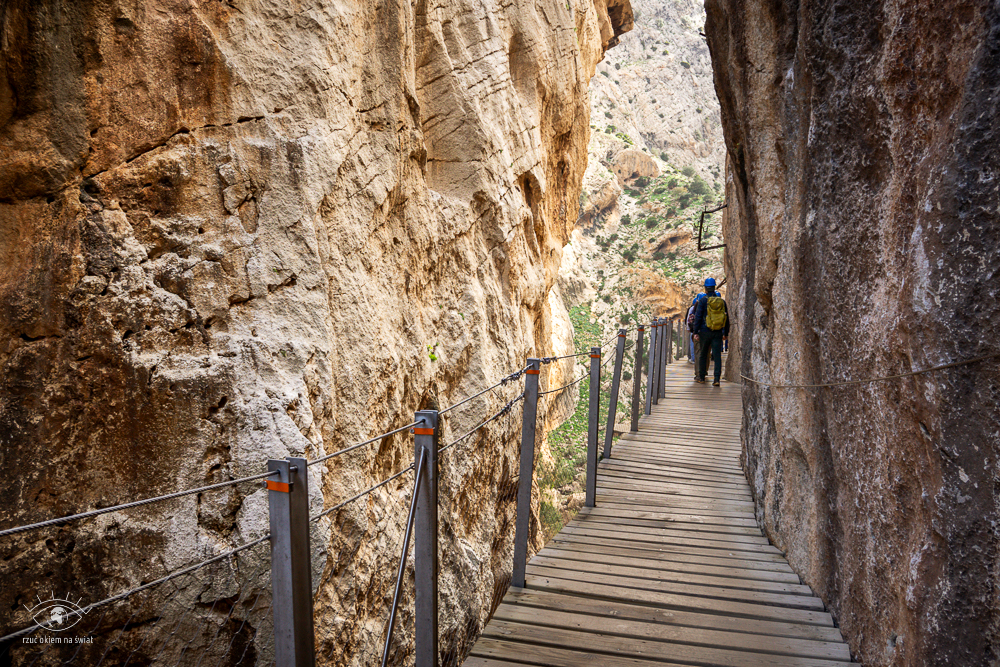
(715, 318)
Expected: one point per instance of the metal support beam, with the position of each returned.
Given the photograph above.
(652, 366)
(291, 585)
(594, 416)
(425, 546)
(609, 429)
(526, 473)
(637, 378)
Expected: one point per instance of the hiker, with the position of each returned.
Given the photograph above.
(694, 347)
(711, 323)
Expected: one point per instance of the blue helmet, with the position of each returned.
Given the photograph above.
(710, 282)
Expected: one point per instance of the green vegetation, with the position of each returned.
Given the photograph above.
(624, 137)
(688, 171)
(549, 516)
(607, 114)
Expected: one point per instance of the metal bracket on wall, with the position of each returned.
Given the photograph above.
(701, 226)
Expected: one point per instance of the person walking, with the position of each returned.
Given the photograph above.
(711, 323)
(695, 346)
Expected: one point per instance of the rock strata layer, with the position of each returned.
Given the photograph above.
(863, 230)
(233, 231)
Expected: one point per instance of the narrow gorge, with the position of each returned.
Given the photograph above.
(235, 231)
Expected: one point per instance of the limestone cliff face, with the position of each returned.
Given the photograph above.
(863, 234)
(239, 230)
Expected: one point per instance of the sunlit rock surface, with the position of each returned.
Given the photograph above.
(235, 231)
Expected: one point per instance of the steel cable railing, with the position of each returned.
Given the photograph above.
(175, 635)
(125, 506)
(152, 584)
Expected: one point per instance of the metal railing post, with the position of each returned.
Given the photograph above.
(637, 378)
(291, 584)
(679, 353)
(665, 356)
(670, 341)
(658, 356)
(652, 366)
(425, 551)
(526, 473)
(594, 417)
(609, 429)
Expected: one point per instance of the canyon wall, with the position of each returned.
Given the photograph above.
(863, 230)
(233, 231)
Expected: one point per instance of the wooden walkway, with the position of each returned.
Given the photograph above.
(670, 568)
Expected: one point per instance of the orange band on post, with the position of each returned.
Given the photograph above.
(530, 372)
(424, 431)
(279, 486)
(595, 356)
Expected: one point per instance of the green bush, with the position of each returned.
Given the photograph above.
(606, 73)
(688, 171)
(607, 114)
(626, 219)
(663, 154)
(657, 255)
(641, 182)
(671, 212)
(607, 130)
(549, 517)
(618, 66)
(684, 200)
(698, 186)
(685, 64)
(672, 183)
(650, 223)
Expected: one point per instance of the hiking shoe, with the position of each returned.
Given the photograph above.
(715, 384)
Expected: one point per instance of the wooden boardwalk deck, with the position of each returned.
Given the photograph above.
(670, 568)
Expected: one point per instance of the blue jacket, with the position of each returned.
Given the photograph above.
(701, 312)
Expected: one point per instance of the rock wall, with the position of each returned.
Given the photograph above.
(238, 230)
(863, 234)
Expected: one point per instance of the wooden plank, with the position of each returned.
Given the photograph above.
(613, 468)
(623, 520)
(664, 548)
(671, 533)
(616, 502)
(677, 488)
(597, 607)
(621, 569)
(643, 648)
(703, 636)
(493, 652)
(678, 600)
(654, 502)
(676, 565)
(672, 516)
(695, 590)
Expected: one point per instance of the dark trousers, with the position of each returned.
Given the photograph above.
(710, 341)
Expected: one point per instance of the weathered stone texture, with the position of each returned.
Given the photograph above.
(863, 232)
(239, 230)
